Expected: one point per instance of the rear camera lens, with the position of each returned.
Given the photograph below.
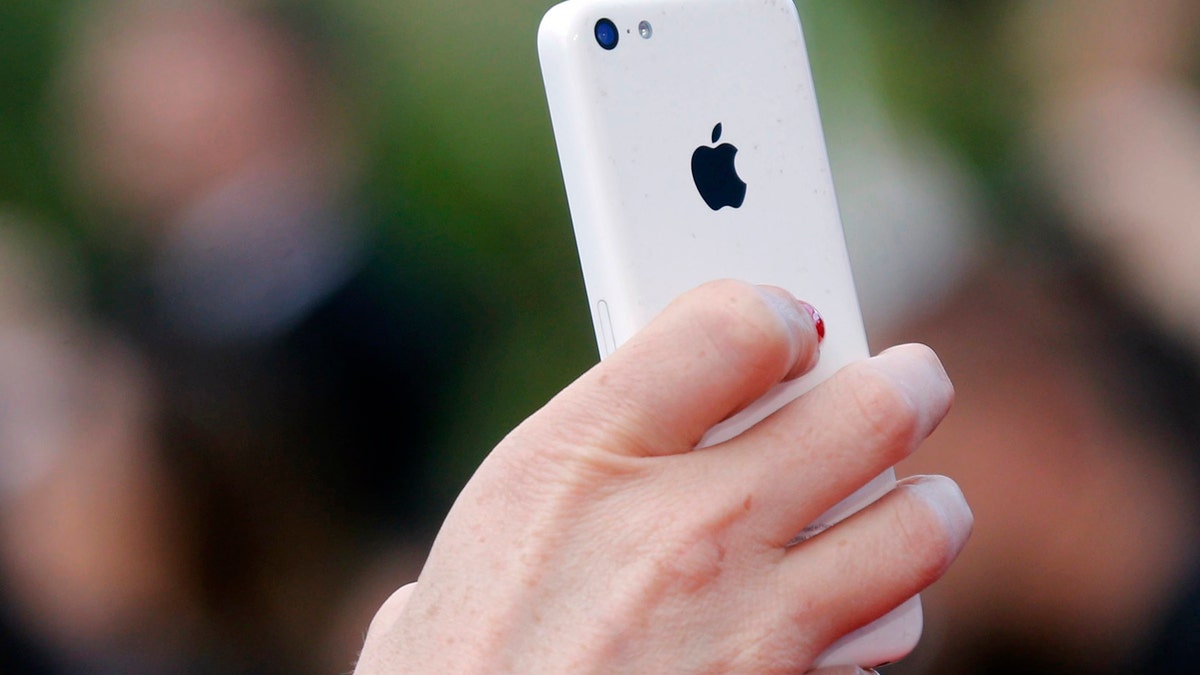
(606, 33)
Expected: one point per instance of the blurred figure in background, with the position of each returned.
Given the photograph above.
(95, 564)
(1115, 136)
(297, 378)
(213, 157)
(1074, 431)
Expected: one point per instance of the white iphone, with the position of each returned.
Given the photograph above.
(691, 149)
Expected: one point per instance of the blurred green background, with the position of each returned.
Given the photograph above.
(969, 227)
(446, 99)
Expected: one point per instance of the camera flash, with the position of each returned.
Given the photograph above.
(645, 30)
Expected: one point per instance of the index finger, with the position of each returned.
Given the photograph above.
(710, 353)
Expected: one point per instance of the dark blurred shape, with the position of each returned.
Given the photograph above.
(94, 570)
(1088, 531)
(1070, 333)
(1114, 133)
(300, 360)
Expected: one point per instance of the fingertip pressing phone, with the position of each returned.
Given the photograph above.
(691, 149)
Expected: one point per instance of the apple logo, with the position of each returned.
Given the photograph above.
(716, 177)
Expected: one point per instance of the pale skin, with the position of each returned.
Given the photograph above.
(595, 539)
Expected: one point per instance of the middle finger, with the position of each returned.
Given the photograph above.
(798, 463)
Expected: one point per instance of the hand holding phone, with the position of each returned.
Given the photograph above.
(692, 150)
(593, 539)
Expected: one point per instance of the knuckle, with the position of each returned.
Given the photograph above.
(692, 563)
(695, 550)
(884, 409)
(739, 324)
(923, 540)
(556, 469)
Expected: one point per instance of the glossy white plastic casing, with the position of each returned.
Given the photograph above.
(627, 122)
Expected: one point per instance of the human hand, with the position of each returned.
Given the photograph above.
(594, 539)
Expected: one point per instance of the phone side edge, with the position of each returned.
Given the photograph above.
(573, 121)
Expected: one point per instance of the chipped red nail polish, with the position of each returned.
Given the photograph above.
(818, 320)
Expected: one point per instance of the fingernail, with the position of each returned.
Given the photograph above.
(944, 497)
(818, 320)
(787, 305)
(799, 316)
(843, 670)
(920, 375)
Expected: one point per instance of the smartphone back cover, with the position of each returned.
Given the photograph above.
(644, 232)
(716, 79)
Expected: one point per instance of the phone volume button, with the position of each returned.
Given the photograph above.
(608, 342)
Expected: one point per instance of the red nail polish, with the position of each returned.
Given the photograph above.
(818, 320)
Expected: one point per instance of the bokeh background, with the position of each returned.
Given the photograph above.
(275, 276)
